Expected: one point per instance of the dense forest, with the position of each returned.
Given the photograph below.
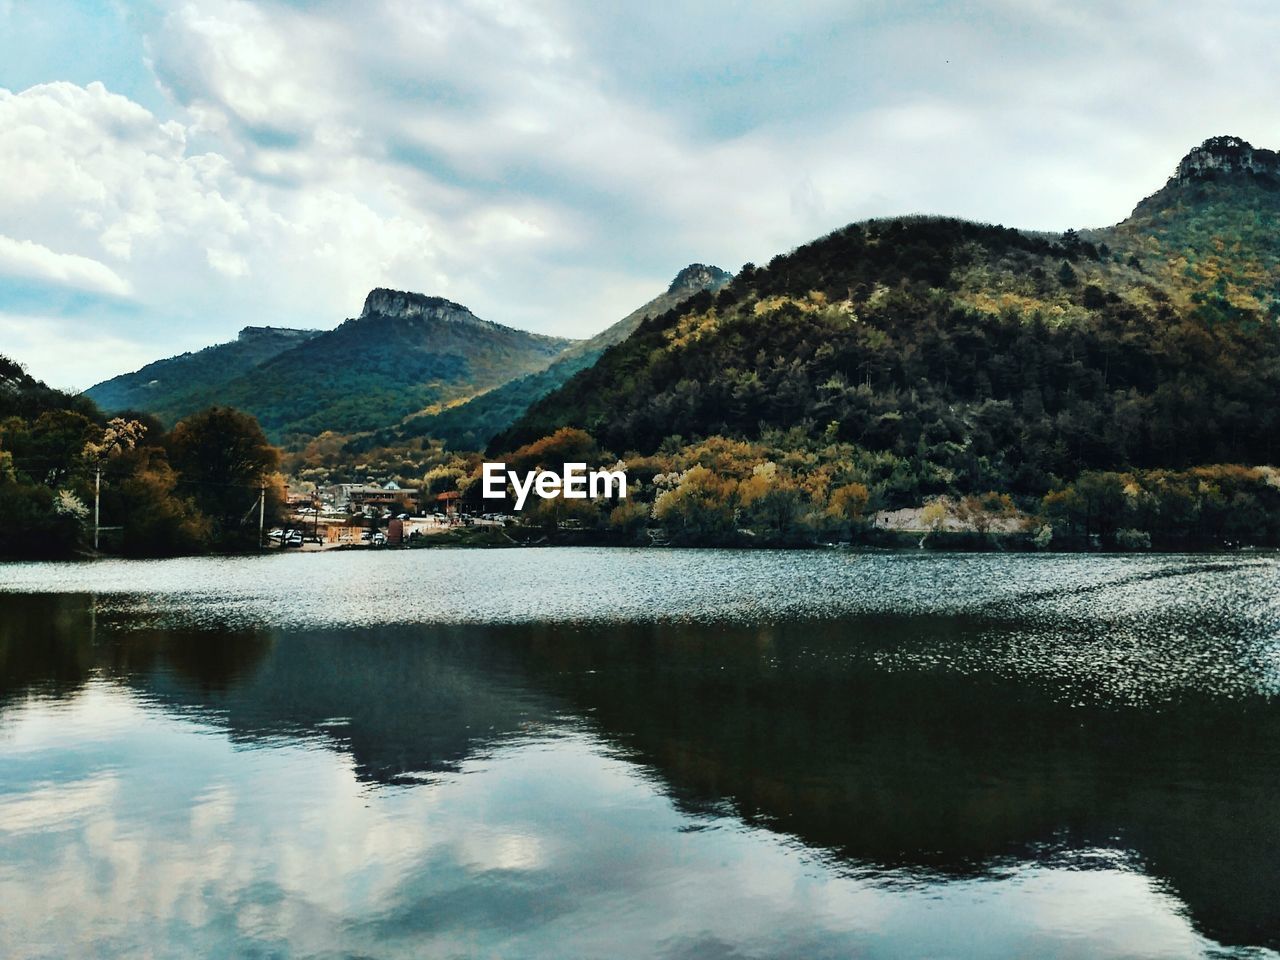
(987, 358)
(191, 489)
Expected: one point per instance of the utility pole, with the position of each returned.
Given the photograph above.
(262, 510)
(97, 500)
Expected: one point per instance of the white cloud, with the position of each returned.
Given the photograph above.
(544, 162)
(74, 353)
(25, 260)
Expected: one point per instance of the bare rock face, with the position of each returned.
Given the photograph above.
(1226, 155)
(698, 276)
(408, 306)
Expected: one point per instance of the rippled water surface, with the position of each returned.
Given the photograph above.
(582, 753)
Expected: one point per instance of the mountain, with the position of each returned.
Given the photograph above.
(176, 386)
(405, 352)
(954, 356)
(470, 425)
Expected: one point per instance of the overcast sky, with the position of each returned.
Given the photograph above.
(171, 172)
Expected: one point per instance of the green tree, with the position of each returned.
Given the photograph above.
(223, 459)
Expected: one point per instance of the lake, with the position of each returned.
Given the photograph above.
(569, 753)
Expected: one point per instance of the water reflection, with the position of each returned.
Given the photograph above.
(974, 784)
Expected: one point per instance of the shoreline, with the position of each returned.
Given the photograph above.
(545, 543)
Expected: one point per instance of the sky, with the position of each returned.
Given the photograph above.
(172, 172)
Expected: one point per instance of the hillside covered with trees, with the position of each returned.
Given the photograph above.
(171, 388)
(923, 357)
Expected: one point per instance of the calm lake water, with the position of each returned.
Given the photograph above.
(610, 753)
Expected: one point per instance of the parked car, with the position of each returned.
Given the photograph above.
(379, 539)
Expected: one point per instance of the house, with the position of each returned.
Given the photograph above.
(356, 497)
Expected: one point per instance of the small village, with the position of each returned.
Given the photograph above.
(377, 515)
(372, 514)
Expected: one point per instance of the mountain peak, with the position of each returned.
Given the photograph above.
(405, 305)
(1224, 155)
(698, 276)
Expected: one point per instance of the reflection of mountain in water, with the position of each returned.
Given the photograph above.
(844, 735)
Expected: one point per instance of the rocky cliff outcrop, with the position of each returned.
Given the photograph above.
(698, 276)
(1226, 155)
(404, 305)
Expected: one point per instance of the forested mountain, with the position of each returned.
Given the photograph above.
(25, 397)
(403, 354)
(176, 386)
(470, 425)
(968, 357)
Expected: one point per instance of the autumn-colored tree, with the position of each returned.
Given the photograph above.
(442, 479)
(142, 497)
(934, 515)
(700, 509)
(979, 512)
(847, 507)
(772, 503)
(552, 452)
(629, 518)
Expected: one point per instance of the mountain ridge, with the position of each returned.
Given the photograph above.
(403, 352)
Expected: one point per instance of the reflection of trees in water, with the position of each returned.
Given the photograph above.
(52, 644)
(798, 729)
(885, 766)
(46, 644)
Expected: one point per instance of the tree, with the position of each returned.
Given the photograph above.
(1066, 275)
(847, 506)
(141, 495)
(1094, 505)
(700, 509)
(566, 445)
(629, 518)
(934, 515)
(772, 503)
(980, 512)
(442, 479)
(223, 459)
